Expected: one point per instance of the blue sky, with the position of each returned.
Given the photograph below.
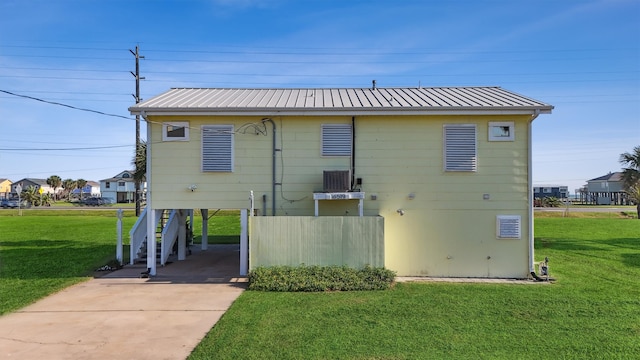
(583, 57)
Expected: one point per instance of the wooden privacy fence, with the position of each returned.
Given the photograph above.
(326, 240)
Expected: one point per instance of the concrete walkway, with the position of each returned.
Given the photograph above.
(123, 316)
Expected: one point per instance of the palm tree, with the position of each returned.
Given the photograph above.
(631, 175)
(633, 193)
(31, 195)
(139, 162)
(81, 183)
(46, 200)
(68, 185)
(55, 182)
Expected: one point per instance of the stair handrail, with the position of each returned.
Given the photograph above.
(169, 235)
(138, 233)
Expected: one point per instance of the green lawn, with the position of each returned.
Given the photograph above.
(592, 311)
(40, 255)
(44, 251)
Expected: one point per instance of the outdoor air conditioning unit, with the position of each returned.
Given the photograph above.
(336, 181)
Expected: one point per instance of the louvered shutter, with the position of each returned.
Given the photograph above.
(508, 227)
(217, 148)
(460, 147)
(336, 140)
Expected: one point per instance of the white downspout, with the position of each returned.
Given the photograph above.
(151, 219)
(530, 188)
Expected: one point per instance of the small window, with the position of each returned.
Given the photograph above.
(217, 148)
(336, 139)
(546, 190)
(175, 131)
(121, 183)
(107, 185)
(460, 147)
(126, 176)
(501, 131)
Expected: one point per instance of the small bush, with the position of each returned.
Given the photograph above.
(319, 278)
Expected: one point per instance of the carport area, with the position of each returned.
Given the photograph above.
(124, 315)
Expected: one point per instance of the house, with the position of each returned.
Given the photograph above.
(424, 181)
(544, 191)
(121, 187)
(5, 188)
(607, 190)
(91, 189)
(38, 184)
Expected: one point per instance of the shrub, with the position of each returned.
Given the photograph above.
(319, 278)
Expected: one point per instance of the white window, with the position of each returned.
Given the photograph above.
(546, 190)
(217, 148)
(336, 139)
(175, 131)
(501, 131)
(460, 150)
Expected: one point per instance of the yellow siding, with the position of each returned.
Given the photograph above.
(5, 186)
(448, 228)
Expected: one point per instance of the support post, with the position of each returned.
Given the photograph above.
(244, 243)
(151, 241)
(119, 234)
(182, 235)
(205, 228)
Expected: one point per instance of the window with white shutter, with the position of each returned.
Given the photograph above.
(460, 149)
(336, 140)
(217, 148)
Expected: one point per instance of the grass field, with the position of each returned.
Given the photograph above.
(592, 311)
(40, 255)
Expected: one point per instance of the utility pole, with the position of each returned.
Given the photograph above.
(136, 75)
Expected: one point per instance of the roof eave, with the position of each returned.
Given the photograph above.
(341, 111)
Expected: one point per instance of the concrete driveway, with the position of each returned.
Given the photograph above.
(123, 316)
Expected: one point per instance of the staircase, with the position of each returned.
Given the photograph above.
(166, 236)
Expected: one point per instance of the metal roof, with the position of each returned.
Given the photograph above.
(350, 101)
(616, 176)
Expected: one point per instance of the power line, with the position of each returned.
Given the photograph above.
(66, 149)
(275, 50)
(65, 105)
(324, 75)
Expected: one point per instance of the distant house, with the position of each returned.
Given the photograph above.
(121, 187)
(544, 191)
(91, 189)
(424, 181)
(5, 188)
(37, 183)
(607, 190)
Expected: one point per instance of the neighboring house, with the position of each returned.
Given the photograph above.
(544, 191)
(91, 189)
(5, 188)
(37, 183)
(607, 190)
(424, 181)
(121, 188)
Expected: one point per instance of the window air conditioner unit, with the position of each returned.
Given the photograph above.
(336, 181)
